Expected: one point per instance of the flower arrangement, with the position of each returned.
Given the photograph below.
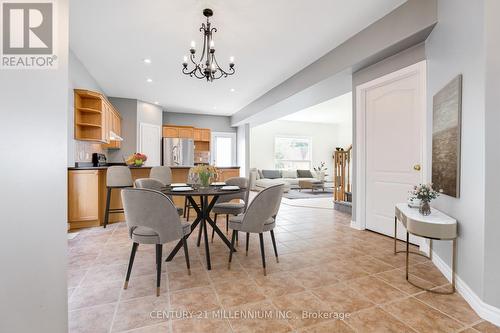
(320, 167)
(206, 174)
(425, 193)
(136, 159)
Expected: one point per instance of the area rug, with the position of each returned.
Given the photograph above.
(308, 194)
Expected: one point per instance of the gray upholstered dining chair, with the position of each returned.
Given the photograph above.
(152, 219)
(258, 218)
(224, 204)
(153, 184)
(161, 173)
(117, 177)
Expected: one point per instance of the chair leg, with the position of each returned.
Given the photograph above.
(188, 209)
(262, 253)
(213, 230)
(227, 224)
(231, 249)
(130, 263)
(106, 212)
(159, 248)
(274, 245)
(248, 240)
(186, 254)
(237, 238)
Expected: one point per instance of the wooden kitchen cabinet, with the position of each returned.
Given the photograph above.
(186, 132)
(83, 199)
(95, 117)
(197, 134)
(225, 174)
(114, 125)
(205, 135)
(170, 132)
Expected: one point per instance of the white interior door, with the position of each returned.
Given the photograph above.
(223, 149)
(150, 143)
(394, 122)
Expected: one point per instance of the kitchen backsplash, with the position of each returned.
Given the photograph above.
(84, 150)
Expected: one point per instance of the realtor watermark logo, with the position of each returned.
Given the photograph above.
(27, 35)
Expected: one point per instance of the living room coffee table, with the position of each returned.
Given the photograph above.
(311, 184)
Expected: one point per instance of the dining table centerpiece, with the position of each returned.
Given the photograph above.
(425, 193)
(136, 159)
(206, 174)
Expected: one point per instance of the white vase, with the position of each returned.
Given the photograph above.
(320, 175)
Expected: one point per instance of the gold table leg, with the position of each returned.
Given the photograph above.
(430, 256)
(404, 251)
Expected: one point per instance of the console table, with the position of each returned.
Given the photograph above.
(436, 226)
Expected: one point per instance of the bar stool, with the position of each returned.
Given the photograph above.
(117, 177)
(161, 173)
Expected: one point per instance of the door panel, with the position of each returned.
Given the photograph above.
(150, 143)
(394, 111)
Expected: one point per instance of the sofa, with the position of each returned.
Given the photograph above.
(261, 179)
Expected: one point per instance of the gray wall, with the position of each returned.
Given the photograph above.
(492, 163)
(405, 26)
(215, 123)
(128, 110)
(456, 46)
(33, 142)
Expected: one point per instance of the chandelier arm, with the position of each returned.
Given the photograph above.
(191, 57)
(195, 73)
(231, 69)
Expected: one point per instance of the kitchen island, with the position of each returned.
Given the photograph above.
(87, 192)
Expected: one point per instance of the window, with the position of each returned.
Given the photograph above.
(223, 149)
(292, 153)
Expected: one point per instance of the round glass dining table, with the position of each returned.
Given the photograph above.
(207, 198)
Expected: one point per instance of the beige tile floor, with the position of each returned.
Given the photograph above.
(325, 267)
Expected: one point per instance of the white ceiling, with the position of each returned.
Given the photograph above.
(337, 110)
(270, 40)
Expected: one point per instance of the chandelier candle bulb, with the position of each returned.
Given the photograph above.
(185, 61)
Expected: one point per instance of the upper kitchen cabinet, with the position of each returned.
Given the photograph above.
(197, 134)
(114, 128)
(96, 119)
(186, 132)
(205, 135)
(90, 116)
(170, 132)
(183, 132)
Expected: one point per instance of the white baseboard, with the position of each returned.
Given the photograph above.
(484, 310)
(356, 225)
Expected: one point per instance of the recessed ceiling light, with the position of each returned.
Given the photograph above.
(149, 80)
(215, 108)
(146, 60)
(157, 103)
(232, 90)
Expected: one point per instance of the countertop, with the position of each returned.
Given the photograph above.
(84, 167)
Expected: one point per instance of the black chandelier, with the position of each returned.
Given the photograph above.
(207, 67)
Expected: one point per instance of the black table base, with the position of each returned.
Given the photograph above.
(202, 218)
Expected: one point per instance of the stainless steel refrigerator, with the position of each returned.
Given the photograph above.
(178, 152)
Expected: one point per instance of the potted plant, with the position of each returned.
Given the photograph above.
(136, 159)
(206, 174)
(425, 193)
(320, 171)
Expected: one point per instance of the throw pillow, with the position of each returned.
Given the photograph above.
(304, 174)
(289, 173)
(271, 174)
